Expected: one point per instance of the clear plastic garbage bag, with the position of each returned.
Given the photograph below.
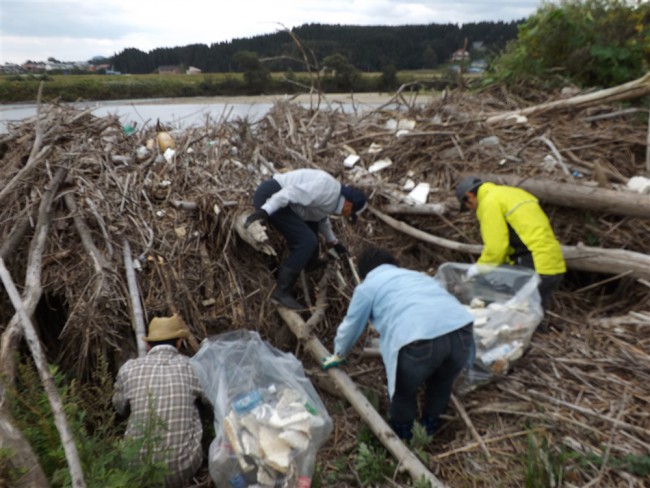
(506, 306)
(269, 420)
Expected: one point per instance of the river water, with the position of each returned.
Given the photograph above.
(183, 113)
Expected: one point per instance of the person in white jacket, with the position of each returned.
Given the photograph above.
(425, 337)
(298, 204)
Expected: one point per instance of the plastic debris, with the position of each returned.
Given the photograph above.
(351, 160)
(420, 193)
(379, 165)
(639, 184)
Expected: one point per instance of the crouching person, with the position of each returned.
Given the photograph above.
(425, 337)
(159, 393)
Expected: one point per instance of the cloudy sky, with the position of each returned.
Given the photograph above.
(76, 30)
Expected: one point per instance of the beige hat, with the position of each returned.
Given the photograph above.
(166, 328)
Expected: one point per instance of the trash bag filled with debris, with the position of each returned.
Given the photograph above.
(269, 420)
(507, 309)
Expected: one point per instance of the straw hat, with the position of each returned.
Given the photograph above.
(166, 328)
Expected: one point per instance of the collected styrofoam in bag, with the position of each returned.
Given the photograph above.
(269, 421)
(506, 306)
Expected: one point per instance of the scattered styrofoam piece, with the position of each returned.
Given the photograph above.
(351, 160)
(375, 148)
(379, 165)
(420, 193)
(409, 184)
(639, 184)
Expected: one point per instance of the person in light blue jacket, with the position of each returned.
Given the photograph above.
(298, 204)
(425, 333)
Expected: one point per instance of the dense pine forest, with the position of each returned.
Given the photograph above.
(367, 48)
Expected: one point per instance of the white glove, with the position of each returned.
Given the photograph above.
(472, 271)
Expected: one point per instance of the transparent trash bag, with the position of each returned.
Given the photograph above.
(506, 306)
(269, 421)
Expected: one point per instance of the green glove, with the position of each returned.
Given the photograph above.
(332, 361)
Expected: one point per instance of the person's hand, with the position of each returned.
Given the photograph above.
(332, 361)
(472, 272)
(259, 214)
(338, 249)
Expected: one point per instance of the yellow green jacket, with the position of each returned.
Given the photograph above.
(514, 227)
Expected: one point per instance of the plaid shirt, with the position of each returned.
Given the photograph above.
(164, 383)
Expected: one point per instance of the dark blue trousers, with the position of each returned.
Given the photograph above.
(301, 236)
(434, 363)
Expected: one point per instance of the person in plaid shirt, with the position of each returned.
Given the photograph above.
(160, 391)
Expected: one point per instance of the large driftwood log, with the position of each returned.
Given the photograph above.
(633, 89)
(67, 439)
(302, 330)
(137, 315)
(579, 196)
(583, 258)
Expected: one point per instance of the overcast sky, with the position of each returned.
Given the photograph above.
(75, 30)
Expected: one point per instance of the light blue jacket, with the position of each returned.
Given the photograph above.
(404, 306)
(313, 194)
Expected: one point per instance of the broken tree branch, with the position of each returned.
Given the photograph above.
(633, 89)
(579, 196)
(612, 261)
(67, 439)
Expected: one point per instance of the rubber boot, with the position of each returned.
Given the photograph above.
(283, 293)
(404, 430)
(430, 424)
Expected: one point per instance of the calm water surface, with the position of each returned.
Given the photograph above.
(172, 113)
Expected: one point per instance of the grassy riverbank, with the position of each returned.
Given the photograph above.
(70, 88)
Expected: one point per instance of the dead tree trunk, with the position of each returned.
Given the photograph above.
(611, 261)
(633, 89)
(579, 196)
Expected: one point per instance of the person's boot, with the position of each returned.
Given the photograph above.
(283, 293)
(404, 430)
(430, 424)
(314, 264)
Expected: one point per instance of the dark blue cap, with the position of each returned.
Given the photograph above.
(358, 199)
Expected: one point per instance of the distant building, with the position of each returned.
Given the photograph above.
(10, 68)
(168, 70)
(193, 71)
(459, 55)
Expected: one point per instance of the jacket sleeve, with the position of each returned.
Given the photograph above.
(354, 322)
(494, 233)
(325, 228)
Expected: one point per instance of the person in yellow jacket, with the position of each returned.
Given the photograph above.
(515, 231)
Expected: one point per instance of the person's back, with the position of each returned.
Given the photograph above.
(522, 212)
(160, 391)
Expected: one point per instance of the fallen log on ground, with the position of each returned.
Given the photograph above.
(583, 258)
(579, 196)
(633, 89)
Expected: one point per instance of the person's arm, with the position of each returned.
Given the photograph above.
(354, 322)
(325, 228)
(120, 401)
(494, 233)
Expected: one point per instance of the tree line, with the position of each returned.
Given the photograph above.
(367, 48)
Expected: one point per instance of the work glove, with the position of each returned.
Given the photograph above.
(332, 361)
(472, 272)
(338, 250)
(259, 214)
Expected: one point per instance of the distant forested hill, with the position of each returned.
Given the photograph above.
(367, 48)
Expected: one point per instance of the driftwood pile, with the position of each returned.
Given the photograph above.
(84, 204)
